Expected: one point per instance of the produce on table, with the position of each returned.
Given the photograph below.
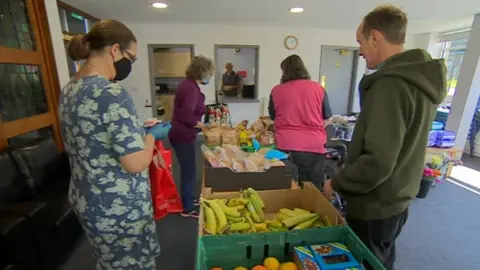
(288, 266)
(216, 268)
(271, 263)
(259, 267)
(245, 214)
(240, 268)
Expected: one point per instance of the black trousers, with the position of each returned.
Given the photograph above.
(379, 236)
(309, 167)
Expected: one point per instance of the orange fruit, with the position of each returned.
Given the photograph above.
(216, 268)
(259, 267)
(271, 263)
(240, 268)
(288, 266)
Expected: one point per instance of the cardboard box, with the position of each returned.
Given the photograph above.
(224, 179)
(308, 197)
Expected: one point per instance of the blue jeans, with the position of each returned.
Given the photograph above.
(185, 153)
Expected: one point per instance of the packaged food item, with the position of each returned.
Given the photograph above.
(229, 136)
(276, 163)
(268, 123)
(221, 153)
(225, 164)
(334, 256)
(242, 126)
(304, 259)
(266, 138)
(238, 166)
(234, 151)
(251, 166)
(150, 122)
(210, 156)
(258, 126)
(212, 136)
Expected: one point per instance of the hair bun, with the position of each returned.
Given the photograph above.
(78, 48)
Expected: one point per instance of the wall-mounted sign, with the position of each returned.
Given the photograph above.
(76, 16)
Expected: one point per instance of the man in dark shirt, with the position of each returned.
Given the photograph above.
(231, 81)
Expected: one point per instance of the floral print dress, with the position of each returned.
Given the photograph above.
(99, 124)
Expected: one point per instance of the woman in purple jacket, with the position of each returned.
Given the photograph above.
(188, 109)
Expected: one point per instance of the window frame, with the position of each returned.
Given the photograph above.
(66, 35)
(446, 49)
(44, 58)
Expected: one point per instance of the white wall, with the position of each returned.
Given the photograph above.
(57, 41)
(428, 42)
(271, 53)
(204, 37)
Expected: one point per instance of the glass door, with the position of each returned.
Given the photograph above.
(28, 80)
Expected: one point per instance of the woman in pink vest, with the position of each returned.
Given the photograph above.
(299, 107)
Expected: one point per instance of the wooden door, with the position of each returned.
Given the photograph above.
(29, 86)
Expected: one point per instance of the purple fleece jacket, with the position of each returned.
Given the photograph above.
(188, 109)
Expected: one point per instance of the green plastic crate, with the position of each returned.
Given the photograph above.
(248, 250)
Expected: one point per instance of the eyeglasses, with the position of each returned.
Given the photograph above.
(130, 56)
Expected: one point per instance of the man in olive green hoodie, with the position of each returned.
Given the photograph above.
(387, 153)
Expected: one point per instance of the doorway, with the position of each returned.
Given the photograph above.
(168, 63)
(338, 75)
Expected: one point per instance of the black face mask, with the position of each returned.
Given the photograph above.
(122, 69)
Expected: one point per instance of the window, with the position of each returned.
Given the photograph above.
(453, 47)
(27, 74)
(73, 22)
(453, 52)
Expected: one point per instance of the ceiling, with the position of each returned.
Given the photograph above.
(425, 15)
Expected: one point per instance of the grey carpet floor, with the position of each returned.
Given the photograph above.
(442, 233)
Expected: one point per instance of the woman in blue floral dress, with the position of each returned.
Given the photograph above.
(109, 152)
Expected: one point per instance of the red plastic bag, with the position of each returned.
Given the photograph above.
(165, 196)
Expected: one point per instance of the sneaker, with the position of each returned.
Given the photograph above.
(191, 213)
(196, 202)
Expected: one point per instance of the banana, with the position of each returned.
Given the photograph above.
(222, 219)
(281, 217)
(242, 201)
(258, 208)
(236, 202)
(210, 221)
(305, 225)
(234, 219)
(239, 207)
(273, 229)
(260, 227)
(275, 224)
(241, 226)
(254, 214)
(255, 193)
(249, 218)
(287, 212)
(300, 211)
(228, 210)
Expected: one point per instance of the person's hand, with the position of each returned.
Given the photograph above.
(327, 189)
(160, 130)
(200, 125)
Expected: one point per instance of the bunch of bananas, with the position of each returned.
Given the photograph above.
(245, 214)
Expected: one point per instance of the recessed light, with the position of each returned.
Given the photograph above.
(296, 10)
(159, 5)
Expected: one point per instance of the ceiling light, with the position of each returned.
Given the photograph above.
(296, 10)
(159, 5)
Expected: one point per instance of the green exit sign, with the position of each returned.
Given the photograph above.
(76, 16)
